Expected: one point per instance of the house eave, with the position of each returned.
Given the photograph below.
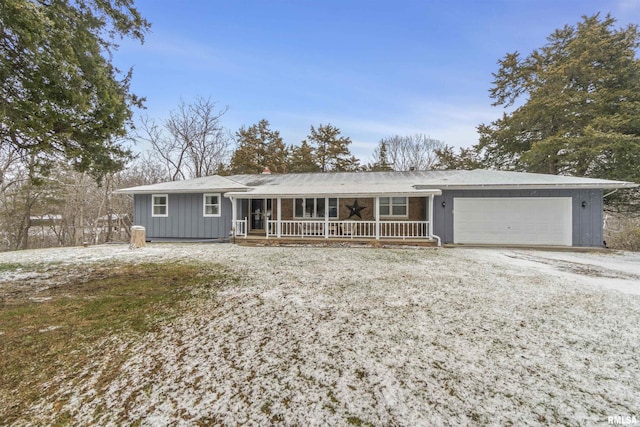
(537, 186)
(179, 191)
(332, 193)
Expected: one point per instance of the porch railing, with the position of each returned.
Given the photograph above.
(348, 229)
(240, 226)
(405, 229)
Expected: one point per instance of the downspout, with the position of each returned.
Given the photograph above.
(431, 235)
(606, 215)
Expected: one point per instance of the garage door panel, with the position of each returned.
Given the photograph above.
(513, 220)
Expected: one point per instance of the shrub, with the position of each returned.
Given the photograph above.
(622, 231)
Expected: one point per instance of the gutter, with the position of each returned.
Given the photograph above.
(178, 191)
(534, 186)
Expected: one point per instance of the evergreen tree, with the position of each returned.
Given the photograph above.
(60, 96)
(258, 148)
(381, 158)
(332, 150)
(302, 159)
(466, 159)
(580, 109)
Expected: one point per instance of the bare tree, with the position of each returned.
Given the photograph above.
(65, 207)
(143, 171)
(192, 142)
(19, 192)
(403, 153)
(10, 160)
(16, 204)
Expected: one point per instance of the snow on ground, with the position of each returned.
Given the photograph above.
(607, 270)
(351, 336)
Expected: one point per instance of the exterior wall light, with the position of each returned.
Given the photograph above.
(583, 204)
(444, 203)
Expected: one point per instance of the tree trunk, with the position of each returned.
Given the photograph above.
(23, 232)
(107, 199)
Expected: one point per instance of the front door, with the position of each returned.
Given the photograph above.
(257, 214)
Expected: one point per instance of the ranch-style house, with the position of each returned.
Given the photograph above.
(459, 207)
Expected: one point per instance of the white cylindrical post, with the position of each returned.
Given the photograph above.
(279, 225)
(376, 207)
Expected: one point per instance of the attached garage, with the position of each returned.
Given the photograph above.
(513, 220)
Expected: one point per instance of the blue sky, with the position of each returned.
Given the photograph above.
(372, 68)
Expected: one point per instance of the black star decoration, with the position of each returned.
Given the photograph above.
(355, 209)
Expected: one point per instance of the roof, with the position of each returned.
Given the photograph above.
(493, 179)
(347, 184)
(197, 185)
(343, 184)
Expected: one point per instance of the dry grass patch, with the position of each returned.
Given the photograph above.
(622, 231)
(53, 331)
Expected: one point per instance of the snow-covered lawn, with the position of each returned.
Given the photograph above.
(354, 336)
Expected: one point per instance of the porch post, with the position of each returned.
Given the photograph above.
(376, 207)
(431, 196)
(233, 216)
(326, 217)
(279, 218)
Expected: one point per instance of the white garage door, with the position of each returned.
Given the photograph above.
(517, 220)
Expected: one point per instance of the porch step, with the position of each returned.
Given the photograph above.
(335, 242)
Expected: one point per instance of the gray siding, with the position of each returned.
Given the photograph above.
(586, 222)
(185, 221)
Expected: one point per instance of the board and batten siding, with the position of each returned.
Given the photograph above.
(586, 222)
(185, 218)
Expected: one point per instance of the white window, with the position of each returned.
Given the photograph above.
(314, 208)
(394, 206)
(159, 205)
(211, 205)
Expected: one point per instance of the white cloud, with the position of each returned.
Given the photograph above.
(628, 5)
(625, 11)
(453, 123)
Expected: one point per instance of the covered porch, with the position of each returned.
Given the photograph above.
(339, 216)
